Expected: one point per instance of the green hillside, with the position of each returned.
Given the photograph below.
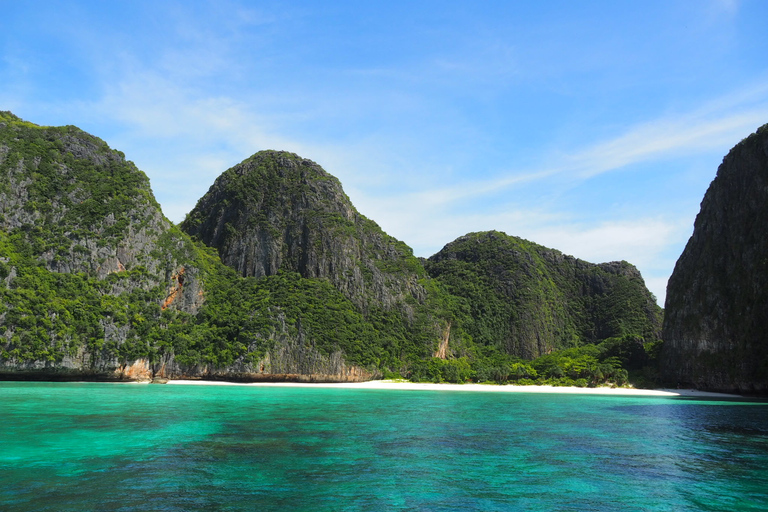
(276, 276)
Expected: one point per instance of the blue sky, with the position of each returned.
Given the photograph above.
(591, 127)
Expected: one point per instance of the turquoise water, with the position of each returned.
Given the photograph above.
(83, 447)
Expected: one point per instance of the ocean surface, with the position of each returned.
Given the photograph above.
(129, 447)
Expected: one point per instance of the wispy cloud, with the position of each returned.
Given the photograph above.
(668, 137)
(715, 127)
(652, 243)
(727, 7)
(644, 239)
(423, 127)
(429, 218)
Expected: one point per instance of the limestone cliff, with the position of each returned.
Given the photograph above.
(716, 312)
(277, 211)
(96, 283)
(81, 237)
(529, 300)
(77, 227)
(273, 276)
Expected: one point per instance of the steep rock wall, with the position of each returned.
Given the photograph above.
(96, 283)
(277, 211)
(716, 312)
(529, 300)
(81, 240)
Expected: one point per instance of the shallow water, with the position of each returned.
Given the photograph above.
(81, 447)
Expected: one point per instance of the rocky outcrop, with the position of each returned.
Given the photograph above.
(95, 283)
(530, 300)
(87, 258)
(277, 211)
(716, 312)
(75, 224)
(273, 276)
(81, 206)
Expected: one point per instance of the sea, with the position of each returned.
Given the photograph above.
(131, 447)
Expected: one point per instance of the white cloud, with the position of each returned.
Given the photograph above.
(664, 138)
(658, 287)
(641, 240)
(429, 218)
(196, 94)
(725, 7)
(184, 137)
(716, 127)
(651, 244)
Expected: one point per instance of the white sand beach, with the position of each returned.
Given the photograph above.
(488, 388)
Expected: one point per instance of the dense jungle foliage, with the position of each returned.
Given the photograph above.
(90, 269)
(528, 300)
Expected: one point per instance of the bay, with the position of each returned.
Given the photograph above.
(128, 447)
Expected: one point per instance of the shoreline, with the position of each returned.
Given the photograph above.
(508, 388)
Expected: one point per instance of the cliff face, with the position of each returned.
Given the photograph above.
(50, 203)
(716, 312)
(277, 211)
(95, 282)
(529, 300)
(81, 240)
(273, 276)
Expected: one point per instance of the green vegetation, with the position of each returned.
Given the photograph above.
(608, 363)
(527, 300)
(524, 305)
(92, 277)
(280, 212)
(64, 189)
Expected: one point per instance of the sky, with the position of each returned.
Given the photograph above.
(591, 127)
